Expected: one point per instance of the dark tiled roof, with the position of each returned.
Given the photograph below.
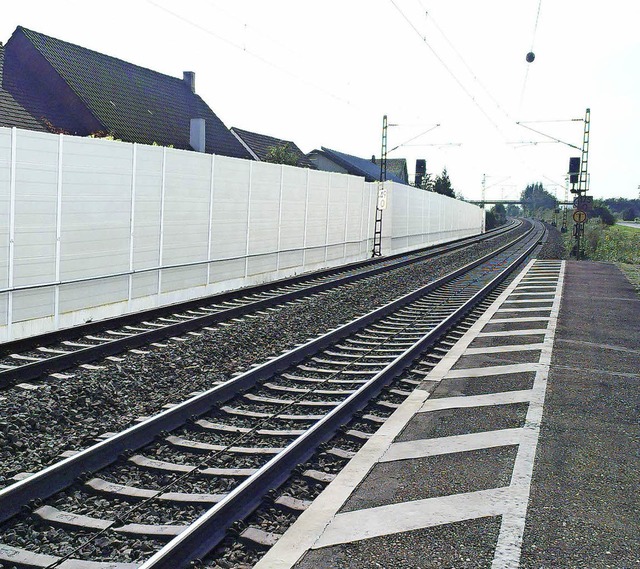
(261, 143)
(397, 167)
(359, 166)
(13, 113)
(133, 103)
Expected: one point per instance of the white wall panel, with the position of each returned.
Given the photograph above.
(168, 225)
(33, 303)
(148, 196)
(5, 189)
(318, 197)
(36, 199)
(96, 182)
(263, 213)
(186, 212)
(183, 278)
(86, 295)
(292, 213)
(230, 208)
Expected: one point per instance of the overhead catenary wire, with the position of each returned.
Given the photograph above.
(248, 52)
(475, 77)
(447, 68)
(533, 38)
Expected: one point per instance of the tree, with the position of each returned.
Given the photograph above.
(603, 212)
(629, 214)
(281, 154)
(500, 213)
(442, 185)
(513, 210)
(535, 199)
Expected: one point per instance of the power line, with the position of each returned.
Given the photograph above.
(462, 59)
(453, 75)
(252, 54)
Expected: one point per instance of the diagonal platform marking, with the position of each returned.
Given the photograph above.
(509, 545)
(492, 370)
(310, 526)
(525, 309)
(520, 319)
(509, 333)
(469, 401)
(423, 448)
(507, 348)
(418, 514)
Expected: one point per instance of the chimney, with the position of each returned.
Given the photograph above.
(373, 158)
(197, 134)
(189, 77)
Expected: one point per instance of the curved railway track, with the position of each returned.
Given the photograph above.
(168, 489)
(30, 358)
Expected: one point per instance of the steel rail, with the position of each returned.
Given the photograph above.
(209, 530)
(61, 474)
(61, 362)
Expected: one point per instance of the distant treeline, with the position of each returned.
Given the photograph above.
(627, 209)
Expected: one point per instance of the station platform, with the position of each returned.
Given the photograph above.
(519, 450)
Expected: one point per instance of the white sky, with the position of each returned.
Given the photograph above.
(324, 73)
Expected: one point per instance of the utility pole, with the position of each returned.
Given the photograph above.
(382, 193)
(578, 174)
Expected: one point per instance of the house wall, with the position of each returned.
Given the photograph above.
(91, 228)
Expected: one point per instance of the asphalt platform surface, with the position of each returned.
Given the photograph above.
(523, 452)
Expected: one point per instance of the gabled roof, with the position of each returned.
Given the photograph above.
(259, 145)
(133, 103)
(359, 166)
(397, 167)
(13, 113)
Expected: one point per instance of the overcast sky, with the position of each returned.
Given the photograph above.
(324, 73)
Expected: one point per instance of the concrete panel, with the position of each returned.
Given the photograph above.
(144, 284)
(36, 198)
(147, 207)
(293, 208)
(5, 190)
(316, 229)
(262, 264)
(230, 208)
(221, 271)
(289, 259)
(264, 208)
(33, 303)
(85, 296)
(186, 207)
(96, 209)
(183, 278)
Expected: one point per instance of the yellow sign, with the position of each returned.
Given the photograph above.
(579, 216)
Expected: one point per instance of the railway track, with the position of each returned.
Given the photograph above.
(31, 358)
(165, 492)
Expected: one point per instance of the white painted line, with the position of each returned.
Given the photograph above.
(408, 516)
(502, 349)
(509, 333)
(529, 301)
(493, 370)
(311, 524)
(550, 293)
(508, 548)
(424, 448)
(521, 319)
(531, 309)
(486, 400)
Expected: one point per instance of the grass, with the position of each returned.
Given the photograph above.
(615, 244)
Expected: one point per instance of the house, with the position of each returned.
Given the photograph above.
(260, 146)
(396, 167)
(70, 89)
(12, 113)
(334, 161)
